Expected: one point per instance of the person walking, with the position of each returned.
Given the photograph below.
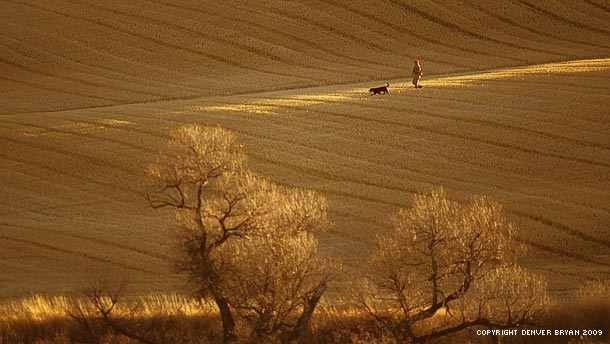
(417, 73)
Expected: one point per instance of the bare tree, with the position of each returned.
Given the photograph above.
(244, 241)
(278, 276)
(446, 257)
(185, 175)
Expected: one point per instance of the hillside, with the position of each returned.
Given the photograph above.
(514, 106)
(71, 54)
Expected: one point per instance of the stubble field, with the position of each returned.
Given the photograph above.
(515, 106)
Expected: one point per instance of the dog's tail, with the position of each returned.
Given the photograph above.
(388, 84)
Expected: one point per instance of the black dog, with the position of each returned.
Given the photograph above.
(378, 90)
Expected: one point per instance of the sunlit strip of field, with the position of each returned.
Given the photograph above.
(269, 105)
(580, 66)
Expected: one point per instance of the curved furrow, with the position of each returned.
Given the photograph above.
(31, 175)
(603, 6)
(75, 253)
(62, 76)
(250, 49)
(267, 27)
(561, 252)
(109, 243)
(456, 28)
(329, 176)
(412, 169)
(483, 140)
(488, 123)
(563, 228)
(414, 33)
(462, 100)
(519, 24)
(586, 8)
(491, 123)
(358, 157)
(579, 24)
(122, 75)
(514, 112)
(77, 176)
(112, 101)
(191, 51)
(375, 61)
(347, 59)
(318, 22)
(40, 147)
(426, 178)
(100, 138)
(268, 137)
(89, 69)
(514, 37)
(361, 158)
(365, 119)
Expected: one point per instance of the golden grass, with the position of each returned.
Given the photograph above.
(44, 319)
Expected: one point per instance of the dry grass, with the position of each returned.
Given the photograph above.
(50, 319)
(45, 319)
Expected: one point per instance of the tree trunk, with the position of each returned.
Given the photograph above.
(310, 306)
(228, 324)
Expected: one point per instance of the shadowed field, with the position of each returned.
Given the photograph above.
(515, 105)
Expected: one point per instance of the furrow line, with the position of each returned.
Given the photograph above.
(470, 138)
(326, 27)
(19, 213)
(75, 253)
(400, 29)
(88, 136)
(426, 175)
(486, 123)
(586, 10)
(470, 101)
(81, 177)
(455, 27)
(563, 19)
(142, 79)
(35, 71)
(72, 93)
(253, 50)
(563, 228)
(197, 53)
(573, 88)
(76, 156)
(601, 6)
(295, 38)
(519, 24)
(328, 176)
(90, 239)
(557, 251)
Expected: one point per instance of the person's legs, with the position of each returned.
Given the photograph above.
(416, 80)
